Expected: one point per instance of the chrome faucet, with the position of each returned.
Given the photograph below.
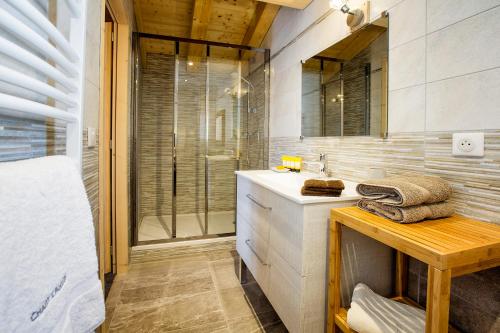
(323, 172)
(323, 166)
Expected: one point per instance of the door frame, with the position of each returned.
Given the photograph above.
(118, 207)
(106, 142)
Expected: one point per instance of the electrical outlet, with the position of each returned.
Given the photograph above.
(468, 144)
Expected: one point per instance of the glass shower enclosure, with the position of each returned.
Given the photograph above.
(200, 113)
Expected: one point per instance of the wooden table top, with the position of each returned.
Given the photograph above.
(452, 242)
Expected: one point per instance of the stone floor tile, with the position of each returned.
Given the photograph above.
(224, 272)
(234, 303)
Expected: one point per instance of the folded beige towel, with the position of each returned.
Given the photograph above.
(324, 184)
(404, 191)
(407, 214)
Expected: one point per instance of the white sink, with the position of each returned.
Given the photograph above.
(289, 185)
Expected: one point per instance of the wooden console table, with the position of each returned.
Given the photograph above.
(451, 247)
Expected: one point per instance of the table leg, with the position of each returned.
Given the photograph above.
(438, 300)
(401, 274)
(335, 247)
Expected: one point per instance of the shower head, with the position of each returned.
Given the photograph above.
(235, 76)
(248, 82)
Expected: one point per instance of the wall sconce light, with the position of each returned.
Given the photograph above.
(355, 17)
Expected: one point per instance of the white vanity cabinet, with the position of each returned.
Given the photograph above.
(282, 237)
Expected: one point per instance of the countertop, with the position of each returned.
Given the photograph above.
(289, 184)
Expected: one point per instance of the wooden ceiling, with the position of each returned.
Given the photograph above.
(243, 22)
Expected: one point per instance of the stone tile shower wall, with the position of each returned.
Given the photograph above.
(311, 100)
(355, 89)
(154, 138)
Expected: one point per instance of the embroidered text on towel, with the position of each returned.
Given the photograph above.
(53, 293)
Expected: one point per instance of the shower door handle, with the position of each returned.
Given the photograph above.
(174, 165)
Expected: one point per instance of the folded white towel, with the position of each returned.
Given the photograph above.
(48, 279)
(372, 313)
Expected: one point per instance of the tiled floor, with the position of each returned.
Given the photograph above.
(188, 225)
(188, 289)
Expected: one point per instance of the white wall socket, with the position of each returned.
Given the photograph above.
(468, 144)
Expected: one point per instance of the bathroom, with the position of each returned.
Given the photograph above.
(207, 133)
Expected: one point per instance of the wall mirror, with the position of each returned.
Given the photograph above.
(344, 88)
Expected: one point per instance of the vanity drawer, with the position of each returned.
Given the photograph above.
(254, 205)
(287, 231)
(285, 288)
(254, 252)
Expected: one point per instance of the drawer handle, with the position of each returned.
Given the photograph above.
(247, 242)
(249, 196)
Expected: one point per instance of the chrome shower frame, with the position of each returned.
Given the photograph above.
(135, 166)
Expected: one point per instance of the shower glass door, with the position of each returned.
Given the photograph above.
(153, 139)
(201, 113)
(190, 128)
(224, 136)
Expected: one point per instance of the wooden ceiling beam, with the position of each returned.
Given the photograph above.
(199, 26)
(259, 25)
(201, 18)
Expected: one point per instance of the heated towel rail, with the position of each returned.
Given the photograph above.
(42, 64)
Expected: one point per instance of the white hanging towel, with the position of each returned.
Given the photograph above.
(48, 262)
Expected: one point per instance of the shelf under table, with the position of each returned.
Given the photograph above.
(341, 316)
(451, 247)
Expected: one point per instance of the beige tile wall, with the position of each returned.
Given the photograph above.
(476, 182)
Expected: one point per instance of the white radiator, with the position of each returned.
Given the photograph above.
(42, 63)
